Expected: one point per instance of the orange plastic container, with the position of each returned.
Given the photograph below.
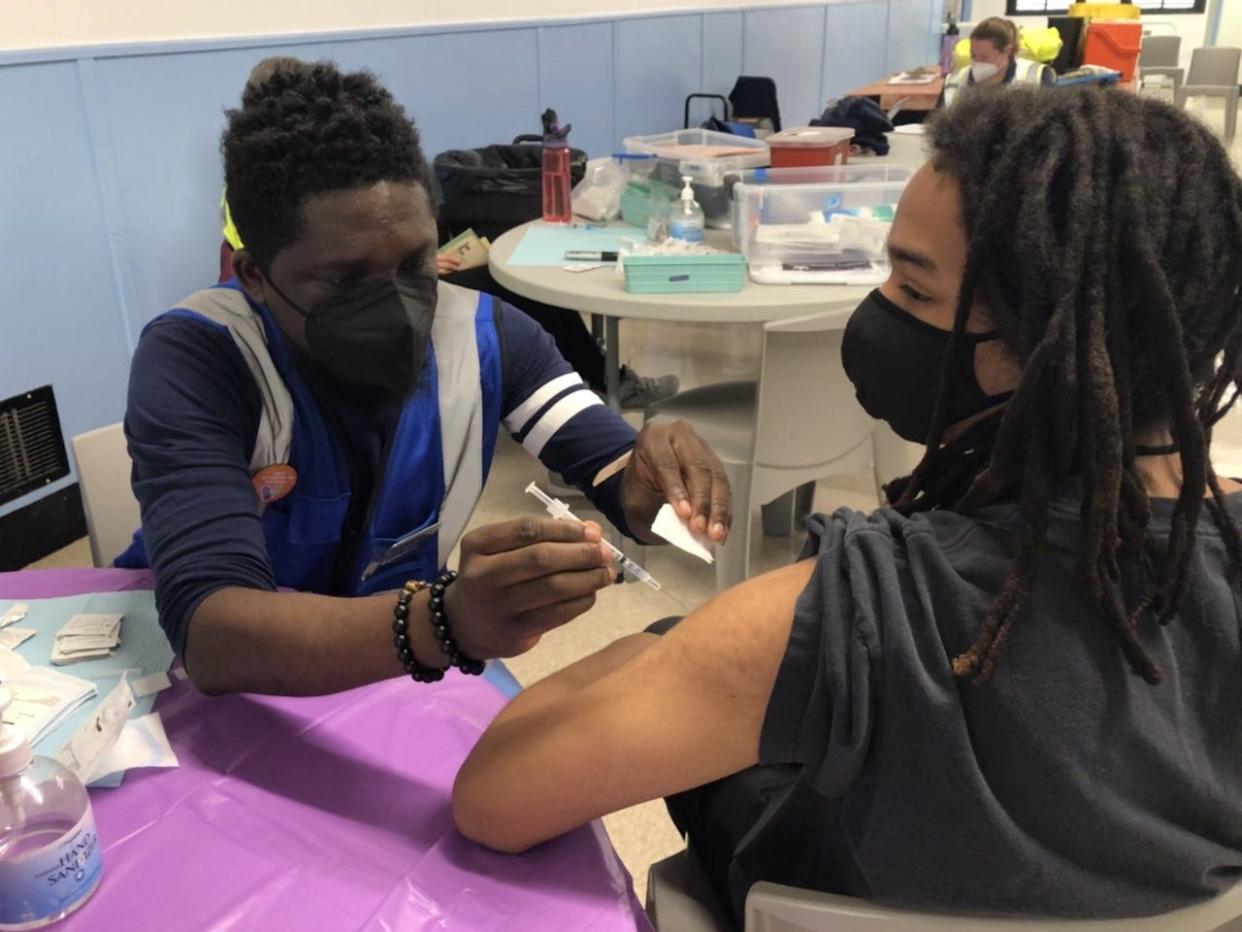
(1114, 45)
(810, 145)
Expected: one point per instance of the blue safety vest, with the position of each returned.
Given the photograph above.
(437, 462)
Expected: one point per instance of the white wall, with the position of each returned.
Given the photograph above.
(29, 24)
(1192, 27)
(1231, 25)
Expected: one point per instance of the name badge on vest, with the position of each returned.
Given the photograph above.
(272, 483)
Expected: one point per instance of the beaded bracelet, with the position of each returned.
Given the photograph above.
(401, 637)
(440, 626)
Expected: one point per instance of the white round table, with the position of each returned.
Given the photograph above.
(601, 293)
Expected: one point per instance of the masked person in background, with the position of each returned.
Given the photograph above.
(1015, 689)
(994, 62)
(325, 420)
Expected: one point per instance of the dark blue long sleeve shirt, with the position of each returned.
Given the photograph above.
(193, 415)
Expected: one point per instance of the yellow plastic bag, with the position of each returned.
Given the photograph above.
(961, 54)
(1042, 45)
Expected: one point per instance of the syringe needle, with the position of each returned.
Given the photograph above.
(685, 608)
(558, 509)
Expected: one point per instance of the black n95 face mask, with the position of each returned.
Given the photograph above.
(895, 361)
(374, 334)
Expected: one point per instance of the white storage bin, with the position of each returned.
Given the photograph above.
(824, 224)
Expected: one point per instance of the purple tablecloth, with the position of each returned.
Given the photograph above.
(329, 813)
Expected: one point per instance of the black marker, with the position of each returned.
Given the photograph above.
(843, 265)
(580, 255)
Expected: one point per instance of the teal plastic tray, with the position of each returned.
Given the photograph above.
(725, 272)
(637, 197)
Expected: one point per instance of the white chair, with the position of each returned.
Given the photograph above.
(799, 423)
(1161, 57)
(1214, 73)
(103, 466)
(680, 899)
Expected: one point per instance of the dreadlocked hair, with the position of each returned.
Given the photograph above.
(1104, 235)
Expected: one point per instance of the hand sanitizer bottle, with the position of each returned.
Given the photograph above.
(685, 221)
(50, 861)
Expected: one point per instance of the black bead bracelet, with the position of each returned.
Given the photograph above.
(440, 627)
(401, 637)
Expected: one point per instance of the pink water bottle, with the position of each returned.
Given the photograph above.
(557, 207)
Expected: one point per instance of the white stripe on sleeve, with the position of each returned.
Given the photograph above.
(516, 422)
(557, 417)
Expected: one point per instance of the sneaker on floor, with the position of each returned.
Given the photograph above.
(641, 391)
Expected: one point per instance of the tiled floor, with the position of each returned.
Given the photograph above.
(698, 355)
(76, 554)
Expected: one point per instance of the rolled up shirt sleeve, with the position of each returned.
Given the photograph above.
(191, 420)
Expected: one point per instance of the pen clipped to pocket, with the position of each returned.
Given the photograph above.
(398, 550)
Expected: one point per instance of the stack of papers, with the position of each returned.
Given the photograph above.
(916, 76)
(470, 249)
(141, 657)
(56, 706)
(87, 637)
(142, 743)
(12, 637)
(14, 614)
(96, 736)
(42, 698)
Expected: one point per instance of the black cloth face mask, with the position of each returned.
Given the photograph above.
(895, 361)
(374, 334)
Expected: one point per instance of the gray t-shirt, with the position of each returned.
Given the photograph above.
(1067, 786)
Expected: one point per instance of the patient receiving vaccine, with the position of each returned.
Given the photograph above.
(1014, 688)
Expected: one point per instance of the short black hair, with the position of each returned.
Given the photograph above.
(306, 128)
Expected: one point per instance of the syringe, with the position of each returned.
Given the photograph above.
(558, 509)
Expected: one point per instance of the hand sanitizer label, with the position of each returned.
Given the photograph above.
(689, 230)
(49, 876)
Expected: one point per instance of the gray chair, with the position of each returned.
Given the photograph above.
(679, 899)
(1214, 73)
(1161, 56)
(800, 422)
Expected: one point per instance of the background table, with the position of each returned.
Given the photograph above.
(910, 96)
(326, 813)
(601, 292)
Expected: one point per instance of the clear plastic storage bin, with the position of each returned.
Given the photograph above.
(825, 224)
(707, 157)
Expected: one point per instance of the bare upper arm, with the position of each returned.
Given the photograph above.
(683, 712)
